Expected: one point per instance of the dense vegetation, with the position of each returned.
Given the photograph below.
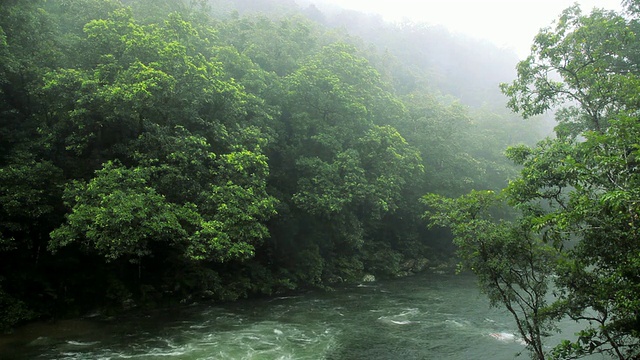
(574, 250)
(157, 151)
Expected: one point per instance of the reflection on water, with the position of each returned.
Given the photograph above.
(422, 317)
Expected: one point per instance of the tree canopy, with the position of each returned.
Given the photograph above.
(154, 151)
(576, 192)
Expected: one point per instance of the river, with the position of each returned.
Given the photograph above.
(428, 316)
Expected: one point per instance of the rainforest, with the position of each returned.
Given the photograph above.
(162, 153)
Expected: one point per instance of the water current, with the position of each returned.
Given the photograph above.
(429, 316)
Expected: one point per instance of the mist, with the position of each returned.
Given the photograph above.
(509, 24)
(160, 153)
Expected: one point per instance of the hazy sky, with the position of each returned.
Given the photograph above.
(507, 23)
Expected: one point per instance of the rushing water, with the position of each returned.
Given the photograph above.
(422, 317)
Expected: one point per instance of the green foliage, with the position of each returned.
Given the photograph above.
(29, 192)
(461, 148)
(390, 163)
(178, 155)
(275, 46)
(580, 189)
(240, 206)
(118, 214)
(513, 265)
(12, 310)
(329, 188)
(382, 259)
(588, 53)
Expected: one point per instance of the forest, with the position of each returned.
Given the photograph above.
(157, 152)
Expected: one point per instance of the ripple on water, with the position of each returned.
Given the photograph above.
(418, 318)
(81, 343)
(406, 316)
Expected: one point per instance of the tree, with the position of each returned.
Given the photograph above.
(118, 214)
(210, 157)
(514, 266)
(581, 187)
(162, 149)
(594, 59)
(277, 47)
(576, 194)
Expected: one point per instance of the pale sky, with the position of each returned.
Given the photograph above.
(507, 23)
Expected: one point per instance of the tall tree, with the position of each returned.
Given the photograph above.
(587, 176)
(576, 194)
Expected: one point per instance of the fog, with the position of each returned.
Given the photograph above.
(510, 24)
